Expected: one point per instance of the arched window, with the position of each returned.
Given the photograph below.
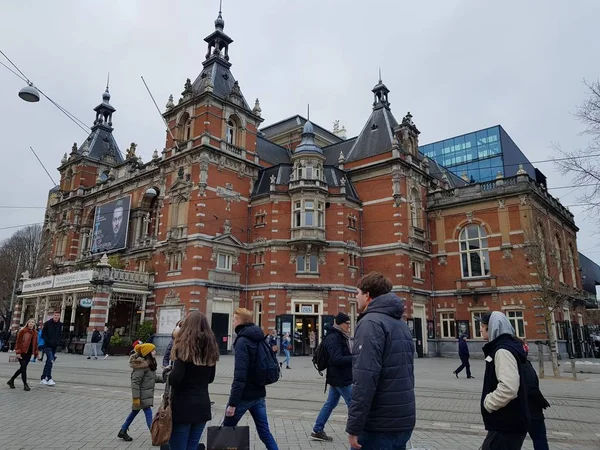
(184, 127)
(414, 208)
(572, 266)
(558, 259)
(232, 130)
(474, 256)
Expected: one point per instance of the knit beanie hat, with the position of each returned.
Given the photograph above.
(144, 349)
(342, 318)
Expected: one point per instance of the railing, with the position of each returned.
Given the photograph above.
(126, 276)
(305, 233)
(234, 149)
(306, 182)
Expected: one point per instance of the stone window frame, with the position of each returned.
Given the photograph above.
(300, 210)
(516, 316)
(451, 321)
(482, 250)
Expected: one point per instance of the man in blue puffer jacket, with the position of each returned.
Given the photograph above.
(382, 413)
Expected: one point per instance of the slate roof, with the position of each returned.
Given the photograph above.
(308, 145)
(294, 122)
(216, 70)
(332, 152)
(590, 274)
(282, 172)
(271, 153)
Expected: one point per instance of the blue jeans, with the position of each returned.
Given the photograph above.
(287, 357)
(47, 372)
(258, 410)
(133, 414)
(537, 432)
(335, 392)
(186, 436)
(384, 441)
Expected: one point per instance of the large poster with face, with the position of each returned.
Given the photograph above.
(111, 225)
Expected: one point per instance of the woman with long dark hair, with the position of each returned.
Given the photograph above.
(195, 354)
(25, 346)
(143, 380)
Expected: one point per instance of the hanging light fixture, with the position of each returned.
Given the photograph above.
(30, 93)
(151, 192)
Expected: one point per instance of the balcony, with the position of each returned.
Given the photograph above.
(128, 277)
(305, 183)
(307, 234)
(224, 277)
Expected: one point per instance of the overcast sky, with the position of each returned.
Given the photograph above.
(457, 66)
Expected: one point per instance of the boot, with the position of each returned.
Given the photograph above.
(11, 383)
(123, 435)
(26, 387)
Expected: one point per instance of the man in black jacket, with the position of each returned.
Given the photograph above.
(382, 412)
(463, 354)
(247, 392)
(339, 372)
(96, 339)
(504, 396)
(52, 334)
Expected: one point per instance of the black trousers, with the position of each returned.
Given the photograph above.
(497, 440)
(465, 363)
(537, 433)
(22, 370)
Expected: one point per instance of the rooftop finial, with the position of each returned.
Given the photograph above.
(220, 23)
(380, 74)
(107, 81)
(308, 112)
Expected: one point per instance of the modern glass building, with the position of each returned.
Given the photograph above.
(481, 155)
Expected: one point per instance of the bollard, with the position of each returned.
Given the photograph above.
(573, 368)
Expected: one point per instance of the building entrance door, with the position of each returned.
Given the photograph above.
(303, 325)
(220, 326)
(419, 336)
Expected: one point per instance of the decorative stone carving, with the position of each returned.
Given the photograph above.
(227, 227)
(501, 203)
(257, 109)
(131, 151)
(221, 165)
(172, 298)
(322, 258)
(469, 215)
(352, 243)
(507, 253)
(438, 215)
(64, 159)
(443, 261)
(170, 103)
(524, 199)
(521, 170)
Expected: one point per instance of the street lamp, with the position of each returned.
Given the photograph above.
(30, 93)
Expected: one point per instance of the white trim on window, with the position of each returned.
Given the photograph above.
(224, 261)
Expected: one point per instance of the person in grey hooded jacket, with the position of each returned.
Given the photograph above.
(382, 413)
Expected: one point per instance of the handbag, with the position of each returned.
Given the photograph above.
(289, 347)
(162, 422)
(228, 438)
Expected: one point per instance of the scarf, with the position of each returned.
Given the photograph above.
(345, 334)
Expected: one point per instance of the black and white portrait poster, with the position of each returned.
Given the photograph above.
(111, 224)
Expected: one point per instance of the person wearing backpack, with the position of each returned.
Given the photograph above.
(336, 352)
(254, 366)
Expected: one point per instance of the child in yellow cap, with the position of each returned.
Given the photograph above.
(143, 379)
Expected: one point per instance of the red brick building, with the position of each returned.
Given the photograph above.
(283, 220)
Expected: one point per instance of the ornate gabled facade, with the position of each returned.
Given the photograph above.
(284, 221)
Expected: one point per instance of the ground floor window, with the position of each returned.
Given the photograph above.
(448, 327)
(476, 324)
(516, 320)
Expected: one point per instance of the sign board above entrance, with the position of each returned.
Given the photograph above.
(80, 278)
(86, 302)
(38, 284)
(73, 279)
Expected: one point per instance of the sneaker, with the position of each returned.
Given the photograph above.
(89, 357)
(454, 372)
(288, 367)
(95, 357)
(11, 384)
(321, 436)
(44, 382)
(50, 382)
(123, 435)
(106, 357)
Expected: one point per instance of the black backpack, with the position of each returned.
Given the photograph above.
(267, 367)
(320, 358)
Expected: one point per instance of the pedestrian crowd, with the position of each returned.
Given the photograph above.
(373, 373)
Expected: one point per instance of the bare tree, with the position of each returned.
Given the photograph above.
(546, 264)
(26, 245)
(583, 165)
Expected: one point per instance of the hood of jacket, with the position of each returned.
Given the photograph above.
(389, 304)
(138, 362)
(250, 331)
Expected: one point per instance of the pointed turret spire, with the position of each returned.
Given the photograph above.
(219, 22)
(308, 143)
(218, 41)
(381, 92)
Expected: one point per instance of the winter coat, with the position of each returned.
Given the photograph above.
(52, 334)
(339, 358)
(96, 337)
(40, 338)
(12, 337)
(245, 386)
(535, 399)
(26, 339)
(383, 395)
(167, 358)
(463, 348)
(190, 399)
(142, 381)
(514, 416)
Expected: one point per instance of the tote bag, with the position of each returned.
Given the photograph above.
(228, 438)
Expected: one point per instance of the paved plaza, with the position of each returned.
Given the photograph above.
(92, 398)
